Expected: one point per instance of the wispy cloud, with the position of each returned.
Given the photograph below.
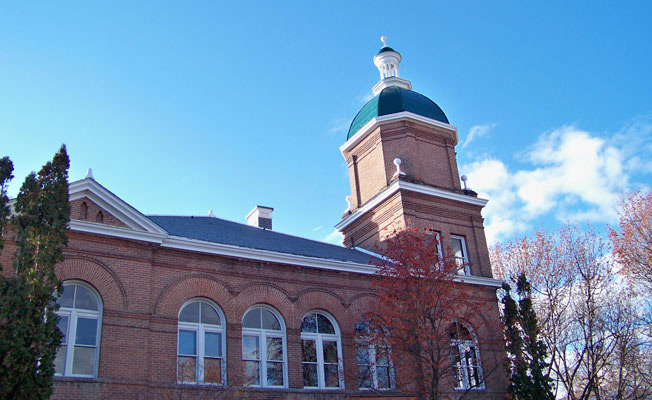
(317, 228)
(335, 237)
(339, 125)
(477, 131)
(574, 175)
(364, 98)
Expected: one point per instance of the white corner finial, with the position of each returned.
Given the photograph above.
(349, 200)
(89, 174)
(397, 162)
(464, 178)
(384, 40)
(210, 214)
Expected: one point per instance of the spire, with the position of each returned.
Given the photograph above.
(387, 61)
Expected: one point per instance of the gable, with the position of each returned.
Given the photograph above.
(85, 209)
(88, 199)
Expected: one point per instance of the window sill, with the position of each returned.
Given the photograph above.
(470, 389)
(78, 379)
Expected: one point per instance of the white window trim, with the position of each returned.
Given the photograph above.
(262, 335)
(465, 255)
(463, 367)
(319, 338)
(73, 314)
(200, 330)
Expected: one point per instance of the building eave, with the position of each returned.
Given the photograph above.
(375, 122)
(200, 246)
(408, 186)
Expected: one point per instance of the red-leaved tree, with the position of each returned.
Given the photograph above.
(421, 315)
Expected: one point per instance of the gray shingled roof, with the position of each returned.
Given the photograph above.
(218, 230)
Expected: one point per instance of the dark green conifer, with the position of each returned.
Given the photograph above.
(29, 336)
(527, 353)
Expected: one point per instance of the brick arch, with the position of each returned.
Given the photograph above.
(173, 295)
(98, 275)
(361, 304)
(265, 293)
(321, 299)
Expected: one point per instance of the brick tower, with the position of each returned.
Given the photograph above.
(400, 151)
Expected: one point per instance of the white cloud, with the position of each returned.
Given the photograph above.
(574, 176)
(317, 228)
(335, 237)
(339, 125)
(477, 131)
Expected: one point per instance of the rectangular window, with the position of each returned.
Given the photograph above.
(374, 367)
(461, 256)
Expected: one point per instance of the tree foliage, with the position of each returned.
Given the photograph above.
(419, 301)
(591, 324)
(29, 336)
(529, 380)
(632, 245)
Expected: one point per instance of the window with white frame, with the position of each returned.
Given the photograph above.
(374, 364)
(80, 322)
(263, 348)
(460, 254)
(467, 369)
(321, 351)
(201, 351)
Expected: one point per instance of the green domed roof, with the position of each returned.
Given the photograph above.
(386, 48)
(392, 100)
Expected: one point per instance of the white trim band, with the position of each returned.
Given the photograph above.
(374, 122)
(180, 243)
(413, 187)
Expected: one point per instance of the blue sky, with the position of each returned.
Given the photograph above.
(182, 107)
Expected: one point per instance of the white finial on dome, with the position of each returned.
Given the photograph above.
(211, 214)
(384, 40)
(464, 179)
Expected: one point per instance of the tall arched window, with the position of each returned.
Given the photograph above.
(263, 347)
(80, 321)
(321, 351)
(466, 355)
(201, 351)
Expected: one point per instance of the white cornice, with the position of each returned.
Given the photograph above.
(127, 214)
(374, 122)
(413, 187)
(180, 243)
(116, 231)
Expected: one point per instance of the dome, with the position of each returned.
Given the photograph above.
(392, 100)
(386, 48)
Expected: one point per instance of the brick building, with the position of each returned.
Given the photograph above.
(200, 307)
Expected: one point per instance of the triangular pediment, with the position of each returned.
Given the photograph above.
(92, 202)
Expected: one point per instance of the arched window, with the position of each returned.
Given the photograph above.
(80, 321)
(374, 362)
(466, 356)
(201, 351)
(84, 210)
(99, 217)
(321, 351)
(263, 348)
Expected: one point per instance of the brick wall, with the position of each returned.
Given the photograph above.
(143, 287)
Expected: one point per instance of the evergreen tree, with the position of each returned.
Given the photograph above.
(29, 336)
(527, 353)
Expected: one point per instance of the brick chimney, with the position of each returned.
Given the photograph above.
(260, 217)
